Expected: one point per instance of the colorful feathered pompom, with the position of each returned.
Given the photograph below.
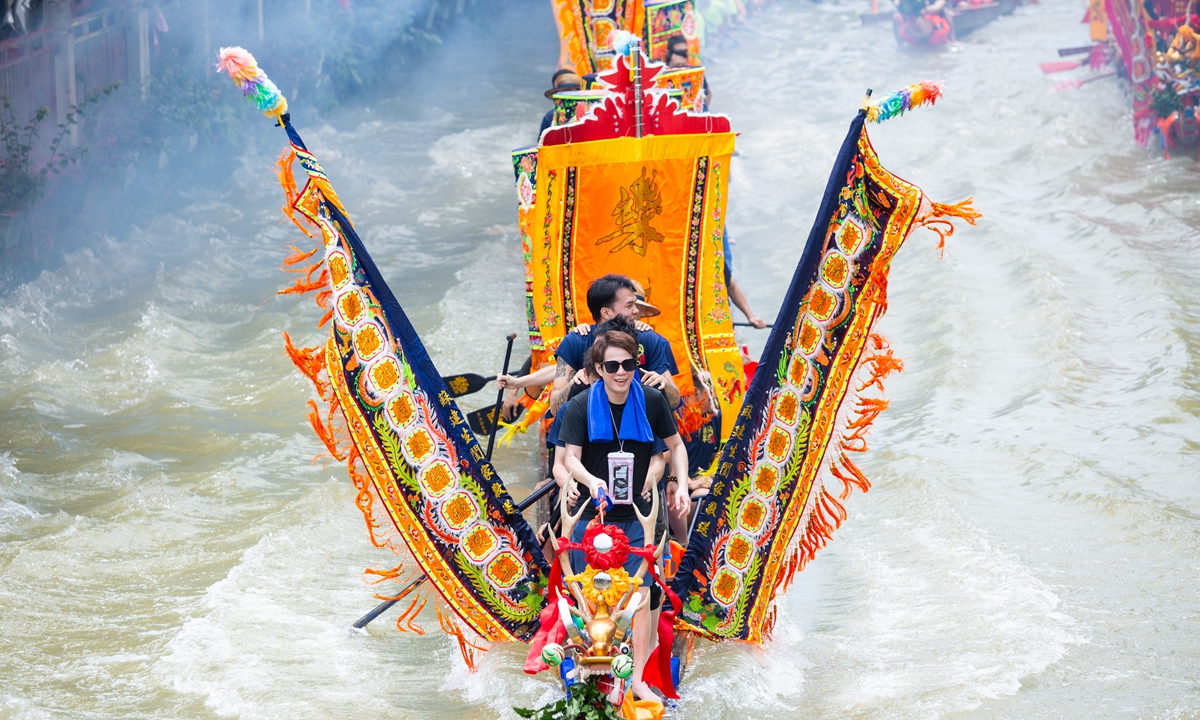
(239, 64)
(913, 96)
(620, 41)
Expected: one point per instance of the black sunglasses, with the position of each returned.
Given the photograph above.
(611, 366)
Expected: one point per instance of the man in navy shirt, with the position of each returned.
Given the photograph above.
(608, 297)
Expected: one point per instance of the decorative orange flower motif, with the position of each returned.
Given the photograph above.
(438, 478)
(777, 445)
(352, 307)
(766, 479)
(458, 510)
(739, 551)
(385, 375)
(338, 270)
(753, 514)
(419, 444)
(401, 409)
(367, 341)
(787, 408)
(835, 270)
(480, 542)
(505, 569)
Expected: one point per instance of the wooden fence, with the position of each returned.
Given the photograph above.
(27, 73)
(101, 49)
(55, 66)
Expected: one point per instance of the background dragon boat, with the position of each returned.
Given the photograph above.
(1154, 45)
(424, 482)
(923, 24)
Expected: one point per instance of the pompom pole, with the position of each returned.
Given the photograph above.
(913, 96)
(240, 66)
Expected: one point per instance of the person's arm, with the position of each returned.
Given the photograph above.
(679, 469)
(534, 379)
(574, 463)
(563, 477)
(739, 299)
(663, 382)
(563, 374)
(658, 463)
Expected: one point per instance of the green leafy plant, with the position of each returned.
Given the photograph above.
(1164, 102)
(24, 177)
(586, 702)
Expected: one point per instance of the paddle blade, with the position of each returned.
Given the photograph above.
(1072, 84)
(1068, 85)
(1059, 66)
(482, 420)
(465, 384)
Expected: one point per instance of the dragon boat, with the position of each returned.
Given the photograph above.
(916, 25)
(423, 480)
(1155, 47)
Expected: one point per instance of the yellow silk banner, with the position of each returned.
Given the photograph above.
(652, 209)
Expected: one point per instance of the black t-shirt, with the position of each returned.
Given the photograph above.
(574, 431)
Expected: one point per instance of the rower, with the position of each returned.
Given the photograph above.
(735, 291)
(610, 429)
(560, 81)
(679, 55)
(608, 297)
(923, 22)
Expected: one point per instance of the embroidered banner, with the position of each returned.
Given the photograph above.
(426, 481)
(651, 208)
(666, 19)
(809, 404)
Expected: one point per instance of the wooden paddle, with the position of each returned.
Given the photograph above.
(466, 384)
(1063, 52)
(380, 609)
(1059, 66)
(1072, 84)
(483, 420)
(746, 324)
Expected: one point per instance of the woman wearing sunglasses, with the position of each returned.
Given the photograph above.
(608, 436)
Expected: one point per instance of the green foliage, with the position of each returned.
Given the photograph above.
(23, 177)
(201, 103)
(1164, 102)
(586, 702)
(181, 108)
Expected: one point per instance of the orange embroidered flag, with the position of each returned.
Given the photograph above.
(596, 200)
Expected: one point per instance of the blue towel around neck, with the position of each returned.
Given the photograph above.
(634, 423)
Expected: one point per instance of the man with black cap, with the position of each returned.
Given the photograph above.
(560, 81)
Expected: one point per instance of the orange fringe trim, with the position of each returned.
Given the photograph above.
(827, 513)
(465, 646)
(311, 363)
(287, 180)
(325, 429)
(937, 219)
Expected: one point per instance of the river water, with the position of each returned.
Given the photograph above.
(1031, 546)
